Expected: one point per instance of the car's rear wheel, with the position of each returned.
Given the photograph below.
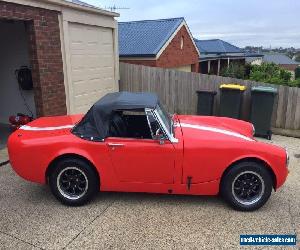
(247, 186)
(73, 182)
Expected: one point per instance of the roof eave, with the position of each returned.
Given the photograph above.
(95, 10)
(164, 45)
(201, 59)
(138, 55)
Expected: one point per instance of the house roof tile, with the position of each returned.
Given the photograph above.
(146, 38)
(279, 59)
(216, 46)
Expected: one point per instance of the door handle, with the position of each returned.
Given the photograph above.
(113, 145)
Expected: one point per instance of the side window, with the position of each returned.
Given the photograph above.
(130, 124)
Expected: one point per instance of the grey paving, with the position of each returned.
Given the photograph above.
(31, 218)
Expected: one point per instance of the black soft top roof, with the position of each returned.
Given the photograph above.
(95, 124)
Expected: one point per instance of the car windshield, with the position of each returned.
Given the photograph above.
(165, 117)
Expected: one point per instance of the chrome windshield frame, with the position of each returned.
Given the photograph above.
(169, 134)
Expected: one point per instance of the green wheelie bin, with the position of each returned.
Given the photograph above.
(205, 102)
(231, 100)
(262, 104)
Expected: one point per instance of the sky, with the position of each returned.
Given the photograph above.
(266, 23)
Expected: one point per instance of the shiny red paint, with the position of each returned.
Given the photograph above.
(143, 165)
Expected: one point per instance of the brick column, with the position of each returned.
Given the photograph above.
(45, 55)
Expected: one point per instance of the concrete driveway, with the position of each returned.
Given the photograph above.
(31, 218)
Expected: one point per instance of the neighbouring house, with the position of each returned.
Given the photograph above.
(283, 61)
(71, 48)
(165, 43)
(217, 54)
(254, 58)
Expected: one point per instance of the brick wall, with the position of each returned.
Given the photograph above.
(45, 56)
(291, 67)
(173, 56)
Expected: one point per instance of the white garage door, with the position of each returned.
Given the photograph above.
(92, 65)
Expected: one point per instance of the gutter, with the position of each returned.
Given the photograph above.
(67, 4)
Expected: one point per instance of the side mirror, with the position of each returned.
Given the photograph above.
(161, 138)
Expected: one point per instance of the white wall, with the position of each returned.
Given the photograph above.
(14, 54)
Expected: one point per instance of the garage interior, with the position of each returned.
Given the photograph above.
(14, 53)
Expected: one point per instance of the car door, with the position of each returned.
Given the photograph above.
(142, 160)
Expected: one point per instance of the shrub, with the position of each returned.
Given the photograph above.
(234, 70)
(270, 73)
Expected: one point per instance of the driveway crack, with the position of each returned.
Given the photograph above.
(98, 216)
(292, 218)
(24, 241)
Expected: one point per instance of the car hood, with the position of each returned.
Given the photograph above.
(220, 125)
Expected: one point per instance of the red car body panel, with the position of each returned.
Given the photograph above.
(206, 147)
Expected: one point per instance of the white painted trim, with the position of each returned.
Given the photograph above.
(172, 37)
(216, 130)
(63, 53)
(137, 58)
(68, 68)
(29, 128)
(58, 4)
(115, 34)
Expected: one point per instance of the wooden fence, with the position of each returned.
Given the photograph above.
(177, 90)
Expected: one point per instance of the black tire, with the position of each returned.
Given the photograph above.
(247, 177)
(73, 174)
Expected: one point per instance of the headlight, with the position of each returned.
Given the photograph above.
(287, 158)
(253, 130)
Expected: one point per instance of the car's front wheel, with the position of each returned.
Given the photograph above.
(247, 186)
(73, 182)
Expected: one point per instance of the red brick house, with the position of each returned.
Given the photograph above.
(165, 43)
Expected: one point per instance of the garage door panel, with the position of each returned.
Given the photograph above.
(82, 101)
(91, 86)
(106, 37)
(106, 49)
(106, 62)
(77, 46)
(92, 64)
(92, 74)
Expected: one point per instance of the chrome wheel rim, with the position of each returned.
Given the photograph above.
(248, 188)
(72, 183)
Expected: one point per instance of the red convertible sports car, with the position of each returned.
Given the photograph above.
(127, 142)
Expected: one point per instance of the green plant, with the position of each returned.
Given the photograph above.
(234, 70)
(270, 73)
(295, 83)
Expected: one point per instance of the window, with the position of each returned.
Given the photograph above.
(182, 42)
(132, 124)
(165, 116)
